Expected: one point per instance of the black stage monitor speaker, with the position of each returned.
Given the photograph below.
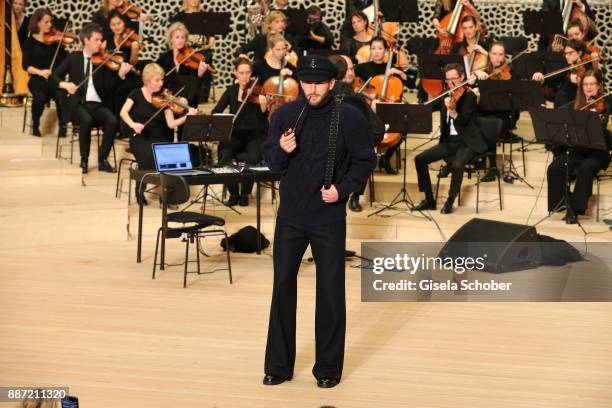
(506, 247)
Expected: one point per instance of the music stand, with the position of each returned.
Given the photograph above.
(296, 21)
(208, 24)
(542, 22)
(431, 66)
(511, 95)
(400, 11)
(322, 52)
(404, 118)
(204, 129)
(569, 128)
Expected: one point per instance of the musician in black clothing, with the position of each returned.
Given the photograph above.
(274, 23)
(378, 66)
(198, 41)
(361, 35)
(249, 130)
(180, 74)
(86, 90)
(101, 17)
(343, 86)
(274, 64)
(22, 22)
(471, 42)
(37, 59)
(351, 6)
(313, 192)
(318, 35)
(146, 124)
(444, 7)
(566, 84)
(460, 141)
(558, 5)
(583, 163)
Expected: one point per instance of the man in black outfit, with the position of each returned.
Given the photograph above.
(318, 35)
(460, 141)
(312, 214)
(85, 88)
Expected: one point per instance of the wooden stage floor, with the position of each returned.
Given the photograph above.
(78, 311)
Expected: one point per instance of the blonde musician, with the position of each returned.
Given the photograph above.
(583, 162)
(274, 23)
(274, 64)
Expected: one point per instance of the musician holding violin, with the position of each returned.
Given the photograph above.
(274, 23)
(132, 13)
(182, 63)
(86, 86)
(39, 53)
(460, 139)
(575, 31)
(575, 9)
(583, 162)
(566, 85)
(250, 128)
(149, 120)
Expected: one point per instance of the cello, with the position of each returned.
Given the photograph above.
(280, 89)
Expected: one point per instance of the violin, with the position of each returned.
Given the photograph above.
(128, 37)
(112, 62)
(190, 57)
(164, 99)
(251, 92)
(129, 10)
(502, 73)
(56, 36)
(455, 95)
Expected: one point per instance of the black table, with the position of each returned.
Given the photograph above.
(258, 176)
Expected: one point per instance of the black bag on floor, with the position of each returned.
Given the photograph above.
(245, 240)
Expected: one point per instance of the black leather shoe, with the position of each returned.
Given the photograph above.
(270, 379)
(447, 208)
(491, 175)
(354, 203)
(104, 165)
(36, 131)
(385, 165)
(570, 218)
(232, 201)
(244, 201)
(61, 132)
(326, 382)
(83, 166)
(425, 205)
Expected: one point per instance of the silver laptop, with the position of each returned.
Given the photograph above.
(174, 158)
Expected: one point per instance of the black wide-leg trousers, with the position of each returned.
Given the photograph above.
(328, 244)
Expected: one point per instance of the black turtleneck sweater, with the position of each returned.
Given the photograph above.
(304, 168)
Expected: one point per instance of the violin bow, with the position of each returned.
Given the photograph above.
(59, 44)
(593, 102)
(249, 92)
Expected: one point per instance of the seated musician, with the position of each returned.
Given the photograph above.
(557, 5)
(146, 124)
(473, 39)
(206, 44)
(460, 141)
(583, 163)
(36, 60)
(101, 16)
(318, 35)
(181, 75)
(575, 31)
(249, 130)
(22, 21)
(362, 35)
(129, 51)
(378, 66)
(344, 86)
(274, 64)
(566, 84)
(445, 7)
(497, 69)
(274, 23)
(86, 89)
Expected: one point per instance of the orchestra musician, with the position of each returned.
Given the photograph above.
(249, 130)
(497, 69)
(146, 124)
(274, 64)
(274, 23)
(86, 90)
(361, 37)
(181, 75)
(460, 140)
(21, 20)
(280, 5)
(207, 44)
(351, 6)
(567, 84)
(101, 16)
(575, 31)
(443, 7)
(471, 42)
(584, 163)
(344, 86)
(318, 34)
(36, 60)
(377, 66)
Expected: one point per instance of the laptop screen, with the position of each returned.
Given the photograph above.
(172, 156)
